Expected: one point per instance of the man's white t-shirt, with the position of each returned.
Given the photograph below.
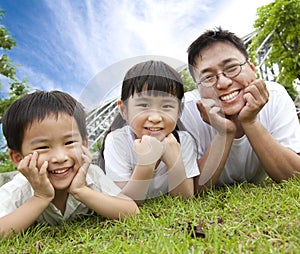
(16, 192)
(278, 116)
(120, 159)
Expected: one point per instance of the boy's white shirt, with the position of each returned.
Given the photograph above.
(16, 192)
(278, 116)
(120, 159)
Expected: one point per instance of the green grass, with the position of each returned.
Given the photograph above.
(243, 218)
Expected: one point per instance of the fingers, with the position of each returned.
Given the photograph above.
(28, 164)
(256, 95)
(86, 152)
(148, 150)
(44, 167)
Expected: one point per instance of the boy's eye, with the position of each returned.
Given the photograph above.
(42, 147)
(143, 105)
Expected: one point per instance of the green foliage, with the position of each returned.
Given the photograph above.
(17, 88)
(96, 147)
(7, 69)
(6, 43)
(281, 18)
(242, 218)
(5, 163)
(188, 82)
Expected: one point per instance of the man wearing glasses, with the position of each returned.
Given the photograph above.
(245, 128)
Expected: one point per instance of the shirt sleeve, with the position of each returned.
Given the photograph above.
(118, 155)
(97, 180)
(280, 117)
(14, 194)
(189, 154)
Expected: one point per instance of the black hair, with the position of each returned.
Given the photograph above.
(152, 77)
(209, 38)
(35, 107)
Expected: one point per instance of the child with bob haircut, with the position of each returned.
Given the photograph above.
(144, 151)
(47, 140)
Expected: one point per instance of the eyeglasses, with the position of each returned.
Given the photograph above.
(230, 71)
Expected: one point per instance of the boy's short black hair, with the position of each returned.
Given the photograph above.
(35, 107)
(209, 38)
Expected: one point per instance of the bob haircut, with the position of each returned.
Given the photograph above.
(36, 107)
(153, 77)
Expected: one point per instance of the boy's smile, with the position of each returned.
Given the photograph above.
(58, 141)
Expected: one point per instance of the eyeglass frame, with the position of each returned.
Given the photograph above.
(224, 74)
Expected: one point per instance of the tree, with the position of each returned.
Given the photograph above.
(188, 82)
(281, 19)
(17, 88)
(8, 70)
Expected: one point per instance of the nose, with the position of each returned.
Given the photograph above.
(223, 82)
(59, 155)
(155, 116)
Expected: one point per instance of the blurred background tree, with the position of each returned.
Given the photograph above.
(8, 71)
(281, 18)
(16, 88)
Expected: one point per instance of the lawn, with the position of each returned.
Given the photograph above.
(242, 218)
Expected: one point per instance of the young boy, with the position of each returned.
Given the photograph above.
(47, 140)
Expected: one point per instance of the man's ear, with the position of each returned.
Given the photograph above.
(251, 64)
(122, 109)
(15, 157)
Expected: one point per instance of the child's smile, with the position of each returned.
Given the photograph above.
(152, 115)
(58, 141)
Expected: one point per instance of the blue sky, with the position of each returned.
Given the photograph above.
(84, 47)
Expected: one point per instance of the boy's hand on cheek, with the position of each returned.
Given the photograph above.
(79, 181)
(148, 149)
(38, 178)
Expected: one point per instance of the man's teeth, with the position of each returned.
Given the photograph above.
(60, 171)
(229, 96)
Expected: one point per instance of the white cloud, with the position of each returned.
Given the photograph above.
(236, 15)
(88, 37)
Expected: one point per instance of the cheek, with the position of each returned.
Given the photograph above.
(246, 78)
(76, 154)
(136, 118)
(42, 158)
(208, 93)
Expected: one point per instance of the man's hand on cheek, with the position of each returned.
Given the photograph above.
(212, 113)
(256, 96)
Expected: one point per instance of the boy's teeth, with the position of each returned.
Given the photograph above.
(229, 96)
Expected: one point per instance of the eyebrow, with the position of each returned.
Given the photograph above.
(225, 61)
(165, 98)
(44, 140)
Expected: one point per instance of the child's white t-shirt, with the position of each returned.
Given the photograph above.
(16, 192)
(120, 159)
